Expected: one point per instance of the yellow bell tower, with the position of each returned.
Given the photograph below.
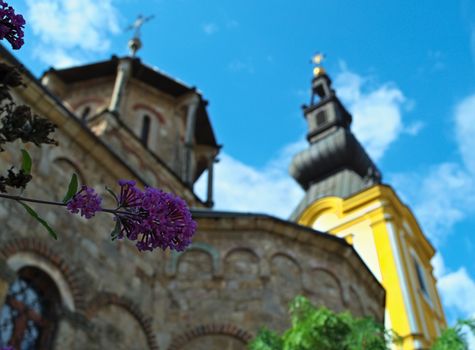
(345, 197)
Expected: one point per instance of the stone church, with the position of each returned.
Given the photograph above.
(123, 119)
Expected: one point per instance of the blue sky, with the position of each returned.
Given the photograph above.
(405, 69)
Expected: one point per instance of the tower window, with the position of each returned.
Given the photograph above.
(321, 118)
(421, 278)
(145, 129)
(28, 317)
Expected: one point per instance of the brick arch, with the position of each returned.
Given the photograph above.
(155, 113)
(287, 255)
(285, 279)
(214, 254)
(70, 272)
(355, 303)
(333, 277)
(105, 298)
(210, 329)
(241, 249)
(255, 260)
(87, 100)
(264, 267)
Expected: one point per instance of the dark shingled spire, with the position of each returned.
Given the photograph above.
(335, 163)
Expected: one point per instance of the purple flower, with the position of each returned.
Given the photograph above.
(8, 347)
(87, 201)
(130, 196)
(11, 26)
(153, 218)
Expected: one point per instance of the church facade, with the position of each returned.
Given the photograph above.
(345, 196)
(122, 119)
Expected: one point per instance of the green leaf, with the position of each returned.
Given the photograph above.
(25, 161)
(72, 188)
(116, 231)
(35, 215)
(113, 195)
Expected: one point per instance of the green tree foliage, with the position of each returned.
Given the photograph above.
(319, 328)
(453, 338)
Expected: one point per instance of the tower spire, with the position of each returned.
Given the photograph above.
(135, 43)
(335, 163)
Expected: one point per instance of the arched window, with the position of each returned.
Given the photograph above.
(29, 316)
(145, 129)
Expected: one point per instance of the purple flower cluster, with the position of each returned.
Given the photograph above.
(11, 25)
(153, 218)
(7, 348)
(86, 201)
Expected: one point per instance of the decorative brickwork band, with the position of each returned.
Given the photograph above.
(70, 273)
(210, 329)
(105, 298)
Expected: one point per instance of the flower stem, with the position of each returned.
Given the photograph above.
(32, 200)
(25, 199)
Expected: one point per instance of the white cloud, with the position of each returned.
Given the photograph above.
(59, 57)
(414, 128)
(465, 130)
(210, 28)
(348, 85)
(270, 190)
(444, 194)
(65, 26)
(456, 290)
(439, 196)
(282, 161)
(377, 116)
(438, 265)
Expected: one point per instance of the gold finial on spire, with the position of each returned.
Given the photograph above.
(135, 43)
(317, 60)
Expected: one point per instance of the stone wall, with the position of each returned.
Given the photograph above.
(239, 274)
(245, 269)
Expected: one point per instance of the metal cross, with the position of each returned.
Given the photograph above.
(318, 58)
(138, 23)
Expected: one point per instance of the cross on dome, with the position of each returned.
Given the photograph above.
(135, 43)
